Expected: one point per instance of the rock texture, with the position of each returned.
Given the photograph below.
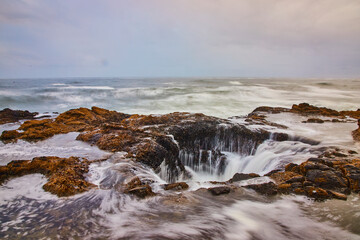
(150, 139)
(320, 178)
(8, 116)
(65, 175)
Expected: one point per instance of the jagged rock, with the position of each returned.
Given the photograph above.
(352, 173)
(268, 189)
(75, 120)
(318, 194)
(138, 188)
(176, 186)
(243, 176)
(219, 190)
(8, 116)
(9, 136)
(307, 109)
(292, 167)
(142, 191)
(65, 175)
(282, 177)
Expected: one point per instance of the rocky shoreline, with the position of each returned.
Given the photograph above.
(156, 140)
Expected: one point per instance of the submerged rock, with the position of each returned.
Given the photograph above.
(219, 190)
(65, 175)
(8, 116)
(243, 176)
(176, 186)
(269, 189)
(136, 187)
(314, 120)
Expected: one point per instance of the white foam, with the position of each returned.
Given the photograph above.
(62, 145)
(29, 186)
(282, 219)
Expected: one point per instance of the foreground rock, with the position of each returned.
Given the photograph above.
(8, 116)
(138, 188)
(318, 178)
(65, 175)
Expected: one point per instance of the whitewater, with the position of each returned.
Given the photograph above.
(28, 212)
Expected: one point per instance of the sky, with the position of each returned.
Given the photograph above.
(180, 38)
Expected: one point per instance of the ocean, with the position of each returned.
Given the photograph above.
(28, 212)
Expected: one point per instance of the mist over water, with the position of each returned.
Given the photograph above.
(27, 211)
(216, 97)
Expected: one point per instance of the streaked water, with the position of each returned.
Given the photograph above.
(27, 212)
(216, 97)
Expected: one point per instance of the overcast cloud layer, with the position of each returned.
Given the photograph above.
(179, 38)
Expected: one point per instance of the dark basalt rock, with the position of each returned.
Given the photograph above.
(219, 190)
(321, 178)
(314, 120)
(269, 189)
(243, 176)
(8, 116)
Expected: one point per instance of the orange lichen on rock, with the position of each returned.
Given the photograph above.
(282, 177)
(75, 120)
(138, 188)
(65, 175)
(307, 109)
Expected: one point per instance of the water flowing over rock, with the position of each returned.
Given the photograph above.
(65, 175)
(177, 139)
(171, 142)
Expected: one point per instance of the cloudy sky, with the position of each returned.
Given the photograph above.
(179, 38)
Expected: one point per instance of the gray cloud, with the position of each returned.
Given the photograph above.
(279, 38)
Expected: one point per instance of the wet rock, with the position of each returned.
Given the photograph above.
(307, 109)
(9, 136)
(269, 189)
(8, 116)
(65, 175)
(273, 110)
(356, 133)
(136, 187)
(219, 190)
(176, 186)
(352, 173)
(142, 191)
(292, 167)
(318, 194)
(283, 177)
(337, 195)
(243, 176)
(331, 180)
(314, 120)
(272, 172)
(296, 179)
(75, 120)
